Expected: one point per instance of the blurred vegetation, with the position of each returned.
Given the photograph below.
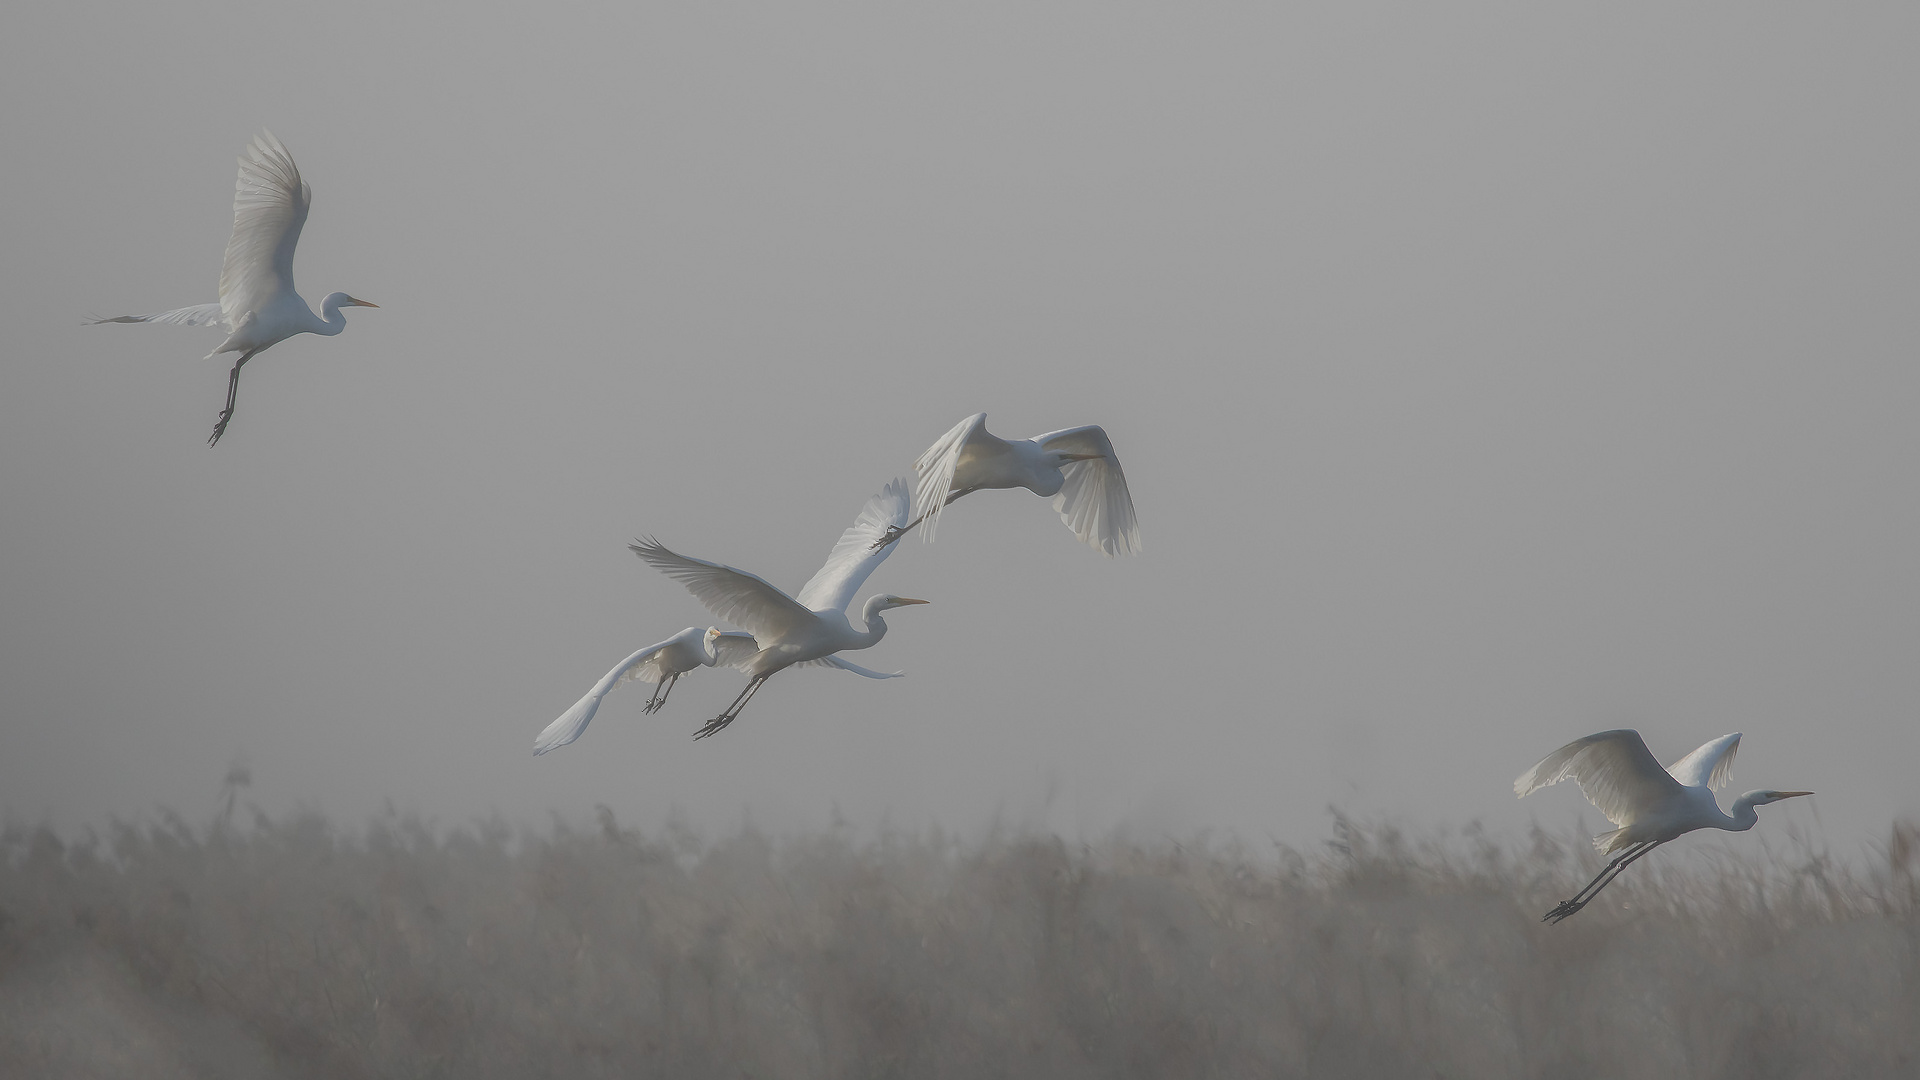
(296, 948)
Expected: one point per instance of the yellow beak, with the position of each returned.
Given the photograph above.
(904, 600)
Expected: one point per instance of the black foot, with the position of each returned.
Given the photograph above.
(220, 428)
(894, 532)
(1566, 908)
(713, 725)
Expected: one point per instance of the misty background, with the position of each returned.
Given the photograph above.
(1485, 375)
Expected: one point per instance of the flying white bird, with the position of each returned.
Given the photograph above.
(1077, 467)
(804, 629)
(661, 664)
(1651, 805)
(258, 307)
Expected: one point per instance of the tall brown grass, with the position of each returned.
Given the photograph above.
(296, 948)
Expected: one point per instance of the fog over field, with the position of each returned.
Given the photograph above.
(296, 948)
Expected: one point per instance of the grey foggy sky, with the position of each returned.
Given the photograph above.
(1485, 375)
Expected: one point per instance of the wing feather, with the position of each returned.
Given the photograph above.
(848, 665)
(1094, 501)
(197, 315)
(1615, 771)
(643, 664)
(853, 559)
(270, 204)
(868, 673)
(744, 599)
(735, 648)
(934, 470)
(1711, 766)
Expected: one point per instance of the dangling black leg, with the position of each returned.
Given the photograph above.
(1604, 879)
(733, 710)
(660, 693)
(895, 532)
(233, 390)
(1568, 907)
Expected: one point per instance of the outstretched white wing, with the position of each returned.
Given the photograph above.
(1094, 501)
(197, 315)
(1710, 766)
(853, 559)
(1615, 771)
(744, 599)
(934, 471)
(847, 665)
(270, 204)
(644, 664)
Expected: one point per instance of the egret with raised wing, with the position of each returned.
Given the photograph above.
(1077, 467)
(660, 664)
(805, 629)
(1651, 805)
(258, 307)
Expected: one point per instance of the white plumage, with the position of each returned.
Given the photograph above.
(258, 305)
(662, 663)
(811, 628)
(1076, 467)
(1651, 805)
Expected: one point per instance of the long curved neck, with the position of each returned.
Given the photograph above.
(876, 626)
(1744, 816)
(331, 321)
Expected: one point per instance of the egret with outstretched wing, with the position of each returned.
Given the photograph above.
(1651, 805)
(660, 664)
(258, 307)
(804, 629)
(1077, 467)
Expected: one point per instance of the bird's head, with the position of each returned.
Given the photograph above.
(886, 601)
(340, 300)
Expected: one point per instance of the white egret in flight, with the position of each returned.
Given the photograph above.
(804, 629)
(661, 664)
(1077, 467)
(258, 307)
(1651, 805)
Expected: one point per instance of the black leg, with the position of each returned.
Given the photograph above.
(1568, 907)
(1605, 878)
(732, 710)
(895, 532)
(233, 390)
(659, 698)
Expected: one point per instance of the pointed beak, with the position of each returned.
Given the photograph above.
(904, 600)
(1792, 794)
(364, 303)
